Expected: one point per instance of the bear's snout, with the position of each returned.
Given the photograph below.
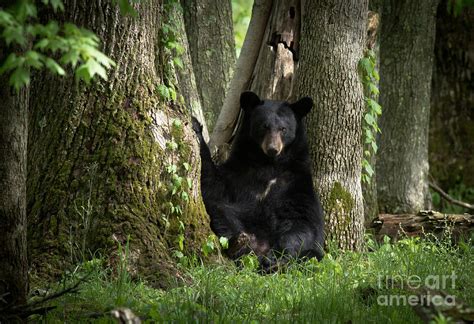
(272, 144)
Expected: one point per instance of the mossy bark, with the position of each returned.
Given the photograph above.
(332, 43)
(406, 61)
(209, 29)
(98, 154)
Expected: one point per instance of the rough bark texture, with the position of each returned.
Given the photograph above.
(332, 43)
(186, 77)
(222, 133)
(406, 61)
(98, 154)
(276, 65)
(13, 139)
(452, 99)
(422, 224)
(211, 41)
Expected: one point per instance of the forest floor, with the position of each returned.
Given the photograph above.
(345, 287)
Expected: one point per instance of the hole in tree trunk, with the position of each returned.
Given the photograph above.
(292, 12)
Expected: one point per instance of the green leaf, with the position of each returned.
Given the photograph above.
(14, 34)
(126, 8)
(369, 170)
(57, 4)
(10, 63)
(369, 119)
(82, 73)
(366, 66)
(163, 91)
(373, 89)
(41, 44)
(178, 62)
(6, 19)
(19, 78)
(224, 242)
(88, 70)
(368, 134)
(54, 67)
(373, 105)
(33, 59)
(71, 57)
(374, 147)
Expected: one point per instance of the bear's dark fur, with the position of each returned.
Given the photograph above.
(262, 198)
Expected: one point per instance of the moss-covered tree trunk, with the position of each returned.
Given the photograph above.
(13, 139)
(112, 160)
(406, 61)
(332, 43)
(211, 40)
(452, 99)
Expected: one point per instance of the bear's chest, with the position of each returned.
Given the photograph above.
(260, 186)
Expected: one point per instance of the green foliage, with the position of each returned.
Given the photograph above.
(456, 6)
(52, 46)
(370, 78)
(343, 287)
(179, 184)
(241, 13)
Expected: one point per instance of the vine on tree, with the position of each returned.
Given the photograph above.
(370, 79)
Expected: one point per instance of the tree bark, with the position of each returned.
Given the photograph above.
(13, 139)
(186, 79)
(406, 61)
(332, 43)
(452, 99)
(212, 46)
(99, 154)
(277, 60)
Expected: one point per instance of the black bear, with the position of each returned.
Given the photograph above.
(262, 198)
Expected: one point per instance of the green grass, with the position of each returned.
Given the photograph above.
(343, 287)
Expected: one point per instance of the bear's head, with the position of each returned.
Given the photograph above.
(273, 125)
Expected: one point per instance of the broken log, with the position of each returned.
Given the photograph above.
(426, 221)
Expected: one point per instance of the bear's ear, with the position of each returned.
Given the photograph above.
(249, 100)
(302, 107)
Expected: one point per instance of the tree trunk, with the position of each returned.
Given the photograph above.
(225, 125)
(277, 60)
(211, 41)
(406, 61)
(186, 79)
(452, 99)
(13, 139)
(332, 43)
(112, 160)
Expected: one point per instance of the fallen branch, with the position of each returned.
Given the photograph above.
(436, 223)
(450, 199)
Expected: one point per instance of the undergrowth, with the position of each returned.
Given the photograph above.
(345, 287)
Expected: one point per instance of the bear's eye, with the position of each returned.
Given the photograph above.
(266, 126)
(283, 129)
